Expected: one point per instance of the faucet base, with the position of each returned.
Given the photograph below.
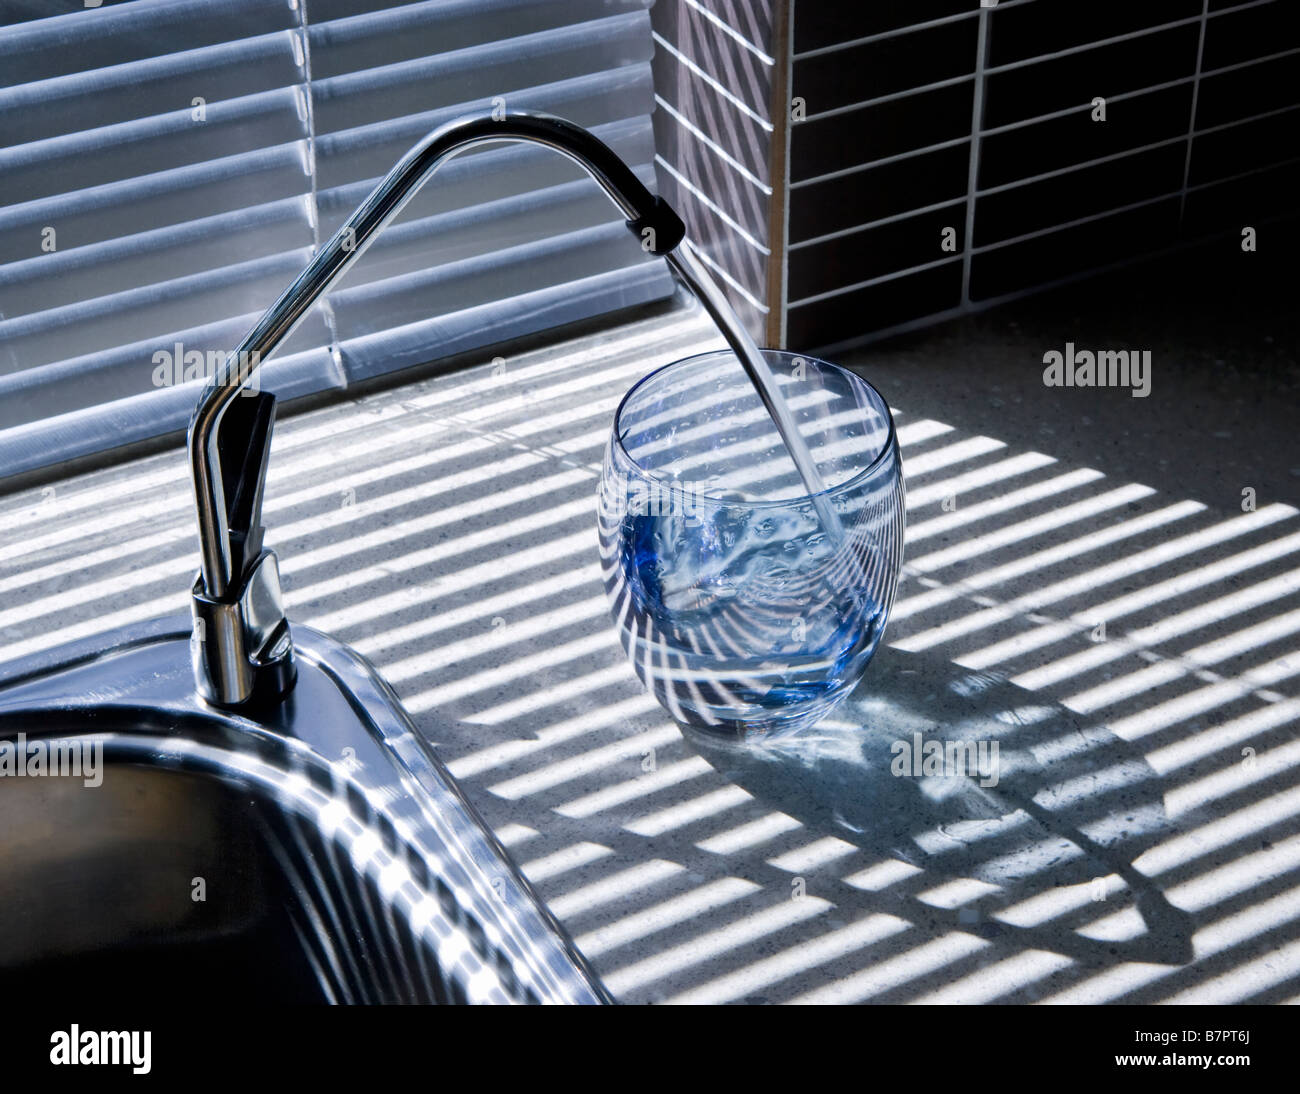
(241, 647)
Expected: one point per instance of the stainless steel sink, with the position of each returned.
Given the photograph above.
(313, 851)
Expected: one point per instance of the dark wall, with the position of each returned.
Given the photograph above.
(931, 117)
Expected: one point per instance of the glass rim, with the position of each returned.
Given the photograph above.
(672, 484)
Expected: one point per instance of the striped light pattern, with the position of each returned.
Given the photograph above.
(446, 529)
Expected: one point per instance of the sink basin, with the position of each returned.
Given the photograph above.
(315, 851)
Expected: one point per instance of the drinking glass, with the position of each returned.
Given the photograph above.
(748, 605)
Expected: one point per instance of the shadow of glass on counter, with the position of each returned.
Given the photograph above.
(962, 774)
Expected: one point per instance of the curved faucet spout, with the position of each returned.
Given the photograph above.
(648, 216)
(242, 646)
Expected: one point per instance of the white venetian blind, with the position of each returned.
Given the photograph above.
(167, 166)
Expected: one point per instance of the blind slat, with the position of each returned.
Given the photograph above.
(379, 38)
(115, 152)
(114, 318)
(135, 205)
(84, 273)
(54, 107)
(488, 71)
(135, 31)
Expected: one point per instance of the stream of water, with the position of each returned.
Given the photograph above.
(691, 270)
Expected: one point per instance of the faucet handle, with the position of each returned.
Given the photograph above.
(242, 646)
(244, 448)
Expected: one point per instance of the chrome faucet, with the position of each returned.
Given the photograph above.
(242, 646)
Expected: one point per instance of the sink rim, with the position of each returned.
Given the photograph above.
(96, 687)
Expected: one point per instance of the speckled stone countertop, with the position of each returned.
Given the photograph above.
(1131, 646)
